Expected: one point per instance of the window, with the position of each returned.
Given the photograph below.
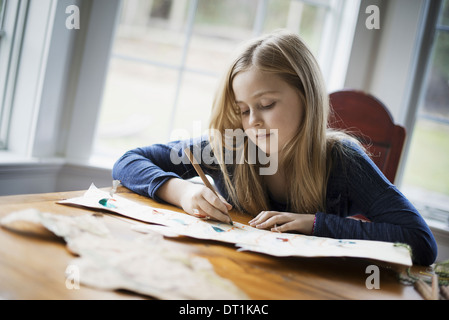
(2, 6)
(169, 54)
(2, 75)
(426, 176)
(11, 13)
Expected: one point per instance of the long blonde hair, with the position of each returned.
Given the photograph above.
(306, 157)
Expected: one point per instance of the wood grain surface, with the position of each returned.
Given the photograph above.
(33, 262)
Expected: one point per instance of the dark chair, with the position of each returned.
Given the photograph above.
(366, 118)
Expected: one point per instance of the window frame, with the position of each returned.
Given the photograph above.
(338, 33)
(438, 28)
(75, 110)
(415, 97)
(12, 16)
(2, 15)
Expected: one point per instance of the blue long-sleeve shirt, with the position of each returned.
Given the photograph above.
(355, 186)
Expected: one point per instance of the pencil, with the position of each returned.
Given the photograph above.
(435, 287)
(203, 177)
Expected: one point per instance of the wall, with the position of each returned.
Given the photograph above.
(52, 176)
(56, 67)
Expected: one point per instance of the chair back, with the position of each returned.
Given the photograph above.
(367, 118)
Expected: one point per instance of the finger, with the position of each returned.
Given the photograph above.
(196, 213)
(227, 204)
(215, 201)
(205, 208)
(262, 217)
(258, 219)
(273, 221)
(289, 226)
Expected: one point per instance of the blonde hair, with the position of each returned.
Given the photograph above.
(306, 157)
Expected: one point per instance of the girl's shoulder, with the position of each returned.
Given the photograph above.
(195, 142)
(347, 150)
(197, 146)
(351, 159)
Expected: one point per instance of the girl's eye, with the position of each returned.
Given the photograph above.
(269, 106)
(244, 113)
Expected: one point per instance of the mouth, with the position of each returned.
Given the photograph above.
(263, 136)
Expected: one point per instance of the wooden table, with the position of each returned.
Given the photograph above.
(34, 267)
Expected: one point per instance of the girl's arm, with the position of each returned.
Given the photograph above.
(159, 172)
(357, 186)
(145, 170)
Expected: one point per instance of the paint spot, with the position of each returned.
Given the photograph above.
(344, 242)
(106, 203)
(282, 239)
(217, 229)
(180, 221)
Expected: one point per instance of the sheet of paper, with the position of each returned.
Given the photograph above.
(171, 223)
(147, 265)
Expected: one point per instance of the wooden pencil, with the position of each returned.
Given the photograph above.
(445, 292)
(435, 287)
(203, 177)
(425, 290)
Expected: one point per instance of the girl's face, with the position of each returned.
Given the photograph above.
(267, 103)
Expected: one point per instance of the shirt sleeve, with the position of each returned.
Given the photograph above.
(145, 170)
(363, 189)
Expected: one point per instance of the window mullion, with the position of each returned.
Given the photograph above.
(2, 14)
(443, 28)
(10, 48)
(260, 17)
(188, 37)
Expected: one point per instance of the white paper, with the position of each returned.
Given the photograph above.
(245, 237)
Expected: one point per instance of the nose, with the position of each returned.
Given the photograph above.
(255, 119)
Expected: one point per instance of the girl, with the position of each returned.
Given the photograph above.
(274, 93)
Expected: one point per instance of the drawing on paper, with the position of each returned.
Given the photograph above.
(217, 229)
(107, 203)
(172, 224)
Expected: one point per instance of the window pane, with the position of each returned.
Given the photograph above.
(168, 56)
(428, 161)
(195, 101)
(444, 18)
(219, 27)
(305, 19)
(237, 14)
(152, 30)
(136, 107)
(436, 101)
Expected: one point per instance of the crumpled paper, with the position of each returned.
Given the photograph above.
(147, 265)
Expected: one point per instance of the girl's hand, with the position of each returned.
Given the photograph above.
(200, 201)
(284, 221)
